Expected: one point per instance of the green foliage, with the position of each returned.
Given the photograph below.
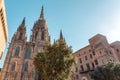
(56, 62)
(110, 71)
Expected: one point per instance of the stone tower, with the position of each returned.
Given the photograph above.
(19, 60)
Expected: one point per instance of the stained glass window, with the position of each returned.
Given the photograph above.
(20, 37)
(26, 67)
(13, 66)
(17, 51)
(27, 53)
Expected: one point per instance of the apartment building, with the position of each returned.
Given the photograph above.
(3, 28)
(97, 53)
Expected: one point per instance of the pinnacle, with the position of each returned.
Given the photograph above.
(61, 35)
(42, 13)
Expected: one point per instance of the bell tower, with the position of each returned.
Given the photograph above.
(40, 33)
(20, 35)
(18, 64)
(13, 62)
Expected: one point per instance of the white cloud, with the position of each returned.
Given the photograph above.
(112, 28)
(113, 34)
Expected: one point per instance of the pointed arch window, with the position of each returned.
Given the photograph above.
(13, 66)
(20, 36)
(17, 51)
(26, 67)
(27, 53)
(42, 36)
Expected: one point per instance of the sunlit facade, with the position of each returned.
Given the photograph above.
(97, 53)
(18, 64)
(3, 28)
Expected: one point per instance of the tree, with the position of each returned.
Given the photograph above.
(56, 62)
(116, 70)
(110, 71)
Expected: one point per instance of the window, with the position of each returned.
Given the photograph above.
(2, 18)
(1, 54)
(93, 66)
(26, 67)
(111, 52)
(17, 51)
(82, 69)
(117, 50)
(89, 50)
(103, 61)
(13, 66)
(42, 36)
(77, 77)
(88, 66)
(96, 62)
(86, 58)
(0, 10)
(92, 47)
(91, 56)
(27, 53)
(20, 37)
(93, 52)
(76, 69)
(80, 60)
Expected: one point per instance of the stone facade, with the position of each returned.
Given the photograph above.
(97, 53)
(3, 28)
(19, 60)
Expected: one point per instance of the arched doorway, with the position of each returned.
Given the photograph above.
(84, 78)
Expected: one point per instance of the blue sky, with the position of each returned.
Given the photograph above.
(78, 19)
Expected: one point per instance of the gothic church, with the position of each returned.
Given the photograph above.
(19, 60)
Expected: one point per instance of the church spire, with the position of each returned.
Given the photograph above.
(23, 22)
(61, 35)
(42, 13)
(22, 25)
